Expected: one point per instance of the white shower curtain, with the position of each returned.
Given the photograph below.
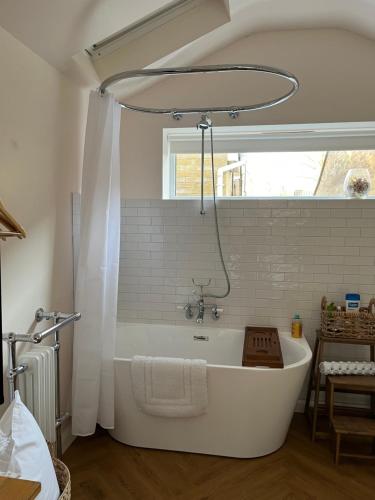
(97, 272)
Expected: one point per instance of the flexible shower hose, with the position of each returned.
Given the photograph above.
(227, 292)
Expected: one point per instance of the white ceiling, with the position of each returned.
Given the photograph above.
(58, 30)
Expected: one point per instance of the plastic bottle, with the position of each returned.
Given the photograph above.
(296, 326)
(353, 302)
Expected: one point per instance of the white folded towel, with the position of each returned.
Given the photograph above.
(170, 387)
(347, 368)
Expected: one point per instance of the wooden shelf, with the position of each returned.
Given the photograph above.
(356, 426)
(353, 383)
(19, 489)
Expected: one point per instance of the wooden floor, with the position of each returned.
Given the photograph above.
(301, 470)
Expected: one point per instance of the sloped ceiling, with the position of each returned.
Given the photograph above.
(254, 16)
(59, 30)
(158, 39)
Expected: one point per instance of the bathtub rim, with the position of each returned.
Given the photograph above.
(302, 343)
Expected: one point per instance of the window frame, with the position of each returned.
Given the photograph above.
(265, 138)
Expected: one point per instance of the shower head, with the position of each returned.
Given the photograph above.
(205, 123)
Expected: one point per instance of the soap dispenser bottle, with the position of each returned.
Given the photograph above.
(296, 326)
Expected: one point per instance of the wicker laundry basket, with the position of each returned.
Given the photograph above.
(63, 478)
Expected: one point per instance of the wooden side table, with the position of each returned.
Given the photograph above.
(315, 375)
(19, 489)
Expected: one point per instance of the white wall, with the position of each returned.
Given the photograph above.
(335, 68)
(41, 135)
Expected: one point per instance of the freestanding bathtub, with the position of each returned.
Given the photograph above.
(249, 410)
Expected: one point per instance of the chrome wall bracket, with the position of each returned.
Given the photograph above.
(234, 114)
(41, 314)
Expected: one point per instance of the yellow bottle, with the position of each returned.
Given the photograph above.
(296, 326)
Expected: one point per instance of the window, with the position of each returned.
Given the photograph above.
(269, 161)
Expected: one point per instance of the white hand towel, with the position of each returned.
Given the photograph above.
(170, 387)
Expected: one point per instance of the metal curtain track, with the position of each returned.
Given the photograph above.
(233, 110)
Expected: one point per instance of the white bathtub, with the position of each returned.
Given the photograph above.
(250, 409)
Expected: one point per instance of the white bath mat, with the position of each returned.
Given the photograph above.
(170, 387)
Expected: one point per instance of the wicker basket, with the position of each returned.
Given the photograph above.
(348, 325)
(63, 478)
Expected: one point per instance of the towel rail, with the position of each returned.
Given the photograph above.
(37, 337)
(60, 320)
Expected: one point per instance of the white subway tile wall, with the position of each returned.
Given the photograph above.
(282, 257)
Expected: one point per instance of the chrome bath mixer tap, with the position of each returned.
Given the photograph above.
(200, 306)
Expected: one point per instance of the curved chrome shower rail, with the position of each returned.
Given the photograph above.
(218, 68)
(205, 124)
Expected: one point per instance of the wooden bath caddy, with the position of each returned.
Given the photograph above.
(261, 347)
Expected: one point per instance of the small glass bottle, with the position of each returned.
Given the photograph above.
(296, 326)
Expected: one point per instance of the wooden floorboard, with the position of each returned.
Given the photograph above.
(102, 468)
